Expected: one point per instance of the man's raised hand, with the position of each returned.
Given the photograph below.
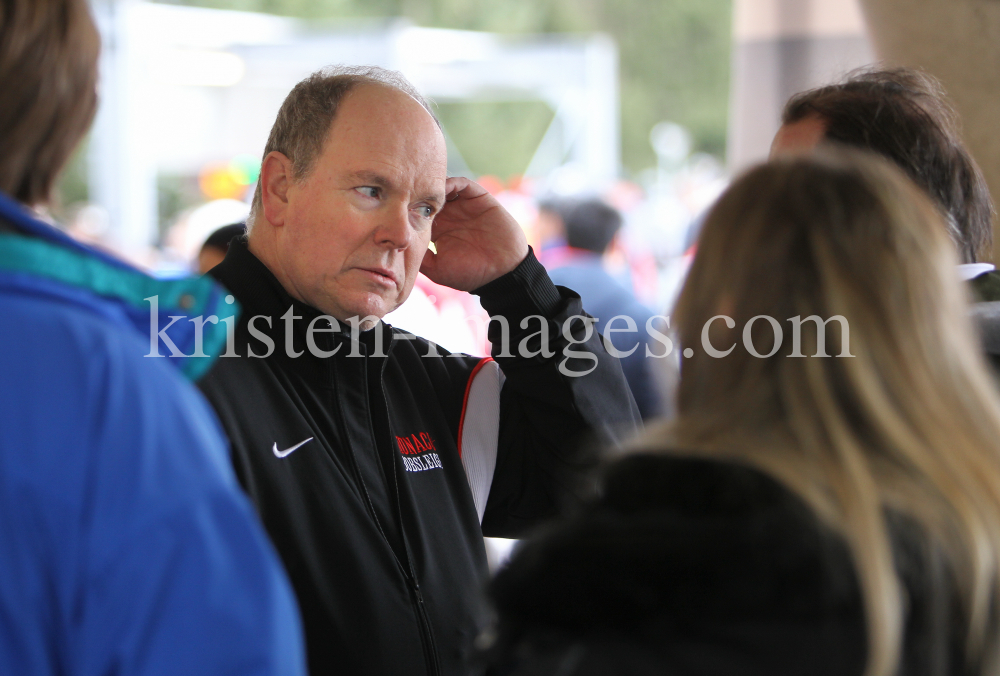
(476, 239)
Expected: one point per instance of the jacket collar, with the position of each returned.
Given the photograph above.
(260, 293)
(253, 284)
(36, 257)
(26, 222)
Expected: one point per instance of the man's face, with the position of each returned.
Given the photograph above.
(798, 137)
(357, 226)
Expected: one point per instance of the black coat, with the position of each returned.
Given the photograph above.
(686, 566)
(355, 466)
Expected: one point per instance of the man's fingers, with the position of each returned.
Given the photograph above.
(459, 186)
(453, 186)
(444, 223)
(429, 263)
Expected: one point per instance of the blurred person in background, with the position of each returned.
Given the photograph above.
(214, 250)
(905, 116)
(577, 235)
(377, 460)
(125, 543)
(804, 514)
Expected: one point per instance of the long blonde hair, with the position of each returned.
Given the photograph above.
(910, 421)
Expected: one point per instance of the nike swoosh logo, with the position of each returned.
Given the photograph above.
(289, 451)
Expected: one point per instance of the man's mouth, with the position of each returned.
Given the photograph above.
(381, 275)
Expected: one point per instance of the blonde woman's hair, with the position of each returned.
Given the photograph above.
(902, 416)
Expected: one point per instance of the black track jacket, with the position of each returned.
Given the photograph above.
(356, 463)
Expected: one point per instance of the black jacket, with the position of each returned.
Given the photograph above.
(373, 515)
(686, 566)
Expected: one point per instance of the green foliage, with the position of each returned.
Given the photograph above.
(174, 194)
(71, 187)
(674, 66)
(674, 60)
(496, 138)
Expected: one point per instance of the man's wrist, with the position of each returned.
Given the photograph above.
(526, 290)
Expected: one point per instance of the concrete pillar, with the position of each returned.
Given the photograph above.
(958, 41)
(782, 47)
(122, 168)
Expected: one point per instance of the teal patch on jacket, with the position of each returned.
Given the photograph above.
(186, 298)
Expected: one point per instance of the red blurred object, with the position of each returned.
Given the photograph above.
(492, 184)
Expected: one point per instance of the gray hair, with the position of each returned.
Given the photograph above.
(304, 119)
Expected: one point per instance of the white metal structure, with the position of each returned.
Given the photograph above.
(184, 86)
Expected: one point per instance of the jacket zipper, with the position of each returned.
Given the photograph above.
(426, 632)
(432, 664)
(423, 619)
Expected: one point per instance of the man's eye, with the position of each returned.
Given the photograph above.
(426, 212)
(368, 191)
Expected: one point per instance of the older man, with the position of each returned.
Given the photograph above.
(376, 460)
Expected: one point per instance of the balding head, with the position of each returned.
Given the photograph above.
(305, 118)
(347, 234)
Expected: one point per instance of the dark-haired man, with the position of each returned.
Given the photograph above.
(904, 115)
(377, 461)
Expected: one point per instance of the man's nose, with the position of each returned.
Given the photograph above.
(394, 228)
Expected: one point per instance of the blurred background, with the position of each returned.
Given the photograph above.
(648, 106)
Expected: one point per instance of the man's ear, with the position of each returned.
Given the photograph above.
(275, 179)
